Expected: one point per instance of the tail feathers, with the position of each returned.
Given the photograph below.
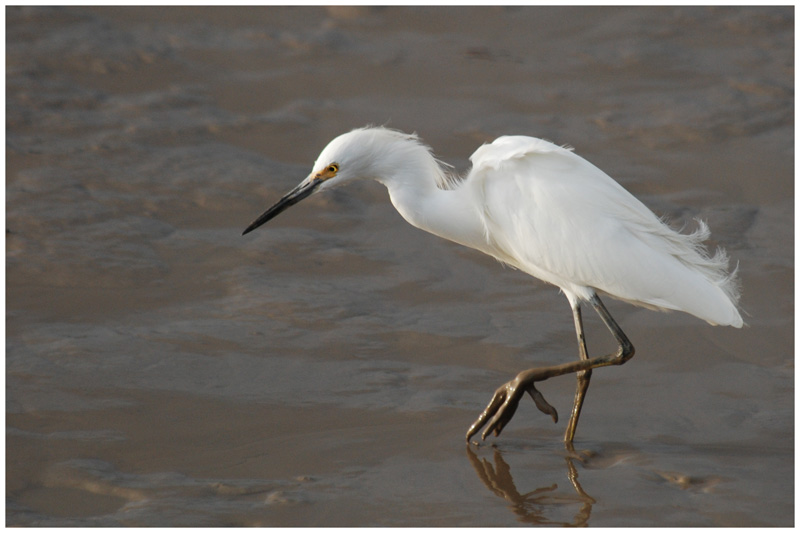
(714, 268)
(720, 303)
(714, 294)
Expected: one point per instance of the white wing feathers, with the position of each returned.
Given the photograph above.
(556, 216)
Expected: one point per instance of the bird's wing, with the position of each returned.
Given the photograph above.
(559, 218)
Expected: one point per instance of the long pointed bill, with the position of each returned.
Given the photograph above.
(306, 187)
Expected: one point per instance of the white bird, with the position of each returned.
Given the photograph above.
(546, 211)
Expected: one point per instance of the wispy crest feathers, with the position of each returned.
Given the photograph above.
(446, 176)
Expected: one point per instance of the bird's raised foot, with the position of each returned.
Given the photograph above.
(504, 404)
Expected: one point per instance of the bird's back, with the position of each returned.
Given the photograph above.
(556, 216)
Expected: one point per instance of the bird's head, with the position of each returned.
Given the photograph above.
(376, 153)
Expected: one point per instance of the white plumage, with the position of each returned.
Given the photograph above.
(547, 212)
(561, 219)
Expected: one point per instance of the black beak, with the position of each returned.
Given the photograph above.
(292, 197)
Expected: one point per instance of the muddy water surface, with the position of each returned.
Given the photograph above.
(163, 370)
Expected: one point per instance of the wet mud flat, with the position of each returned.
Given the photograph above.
(162, 370)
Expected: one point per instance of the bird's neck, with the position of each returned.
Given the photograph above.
(447, 213)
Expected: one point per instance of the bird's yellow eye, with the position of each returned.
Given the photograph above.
(328, 172)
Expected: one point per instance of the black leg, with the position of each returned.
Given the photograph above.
(506, 399)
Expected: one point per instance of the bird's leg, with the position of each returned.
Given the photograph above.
(506, 398)
(583, 376)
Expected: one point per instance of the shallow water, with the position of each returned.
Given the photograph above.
(163, 370)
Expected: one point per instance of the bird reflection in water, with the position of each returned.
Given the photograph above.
(532, 507)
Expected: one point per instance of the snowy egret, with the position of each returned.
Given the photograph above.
(546, 211)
